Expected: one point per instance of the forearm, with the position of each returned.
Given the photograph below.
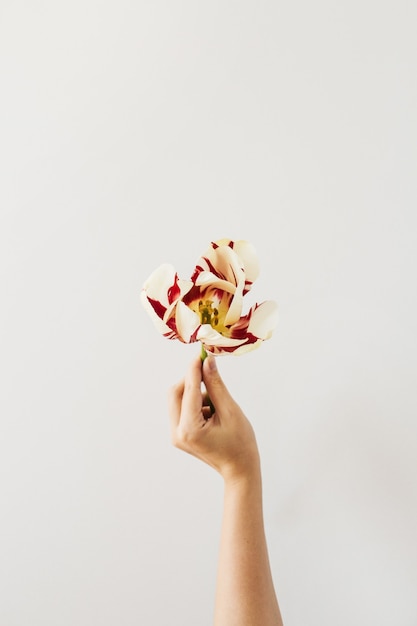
(245, 591)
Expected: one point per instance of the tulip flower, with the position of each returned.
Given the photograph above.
(208, 306)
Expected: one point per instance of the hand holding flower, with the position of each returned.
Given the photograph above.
(225, 440)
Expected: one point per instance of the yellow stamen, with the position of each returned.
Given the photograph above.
(208, 313)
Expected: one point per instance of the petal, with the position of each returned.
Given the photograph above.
(235, 350)
(210, 337)
(263, 319)
(223, 242)
(208, 279)
(247, 254)
(164, 286)
(160, 295)
(247, 347)
(235, 308)
(156, 319)
(187, 321)
(160, 282)
(238, 255)
(223, 262)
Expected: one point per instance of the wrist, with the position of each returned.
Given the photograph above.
(248, 473)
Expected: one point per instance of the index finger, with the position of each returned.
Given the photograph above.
(192, 399)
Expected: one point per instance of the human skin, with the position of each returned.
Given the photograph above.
(225, 440)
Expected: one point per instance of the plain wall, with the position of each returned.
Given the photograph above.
(132, 134)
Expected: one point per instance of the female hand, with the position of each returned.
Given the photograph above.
(224, 439)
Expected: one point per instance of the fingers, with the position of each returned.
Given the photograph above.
(185, 393)
(174, 407)
(192, 397)
(185, 402)
(216, 389)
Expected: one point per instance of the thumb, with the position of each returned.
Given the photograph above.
(216, 389)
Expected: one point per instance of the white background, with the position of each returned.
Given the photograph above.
(134, 133)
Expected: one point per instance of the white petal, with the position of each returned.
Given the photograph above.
(247, 347)
(160, 282)
(264, 320)
(211, 337)
(248, 258)
(206, 279)
(158, 323)
(223, 242)
(185, 286)
(237, 351)
(225, 262)
(235, 309)
(186, 320)
(247, 253)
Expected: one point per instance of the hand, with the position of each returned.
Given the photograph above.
(225, 439)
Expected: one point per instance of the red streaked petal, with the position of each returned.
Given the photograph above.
(235, 308)
(174, 291)
(249, 259)
(247, 347)
(187, 322)
(158, 308)
(165, 286)
(243, 253)
(210, 337)
(222, 262)
(154, 309)
(264, 319)
(159, 283)
(205, 279)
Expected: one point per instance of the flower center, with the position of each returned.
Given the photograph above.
(209, 314)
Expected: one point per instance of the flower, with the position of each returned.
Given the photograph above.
(208, 307)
